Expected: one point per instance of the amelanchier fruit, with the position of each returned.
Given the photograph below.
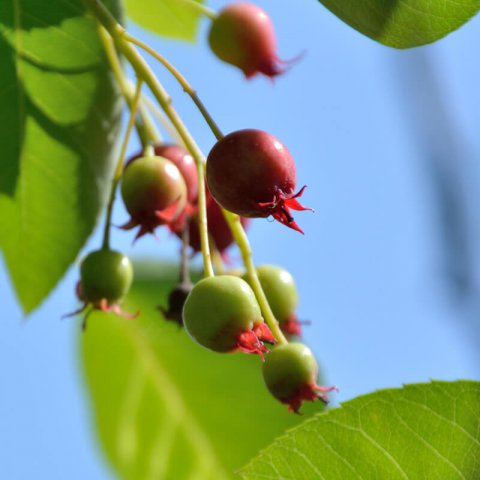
(182, 160)
(105, 279)
(290, 373)
(243, 35)
(282, 295)
(218, 230)
(222, 314)
(251, 173)
(154, 193)
(176, 300)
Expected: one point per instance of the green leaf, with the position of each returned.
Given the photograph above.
(404, 23)
(170, 18)
(423, 431)
(166, 408)
(59, 111)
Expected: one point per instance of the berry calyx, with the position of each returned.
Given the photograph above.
(251, 173)
(105, 279)
(290, 373)
(222, 314)
(282, 295)
(243, 35)
(154, 193)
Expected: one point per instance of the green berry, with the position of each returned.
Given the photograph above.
(222, 314)
(290, 373)
(280, 290)
(282, 295)
(105, 275)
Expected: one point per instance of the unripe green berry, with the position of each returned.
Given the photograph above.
(221, 313)
(280, 290)
(105, 275)
(290, 373)
(288, 368)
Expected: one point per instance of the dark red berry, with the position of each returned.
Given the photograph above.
(290, 372)
(176, 300)
(251, 173)
(154, 193)
(222, 314)
(243, 35)
(218, 229)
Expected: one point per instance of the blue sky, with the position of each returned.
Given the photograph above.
(372, 267)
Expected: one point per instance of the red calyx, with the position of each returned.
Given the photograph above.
(279, 208)
(252, 341)
(291, 327)
(149, 221)
(102, 305)
(309, 392)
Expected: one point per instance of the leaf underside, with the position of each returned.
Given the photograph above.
(166, 408)
(422, 431)
(168, 18)
(404, 23)
(59, 114)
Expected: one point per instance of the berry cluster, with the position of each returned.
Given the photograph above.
(249, 174)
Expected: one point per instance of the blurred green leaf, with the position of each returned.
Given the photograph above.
(404, 23)
(166, 408)
(169, 18)
(424, 431)
(59, 112)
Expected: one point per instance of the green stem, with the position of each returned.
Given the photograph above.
(119, 168)
(144, 125)
(143, 71)
(242, 241)
(162, 119)
(184, 260)
(199, 7)
(233, 220)
(188, 89)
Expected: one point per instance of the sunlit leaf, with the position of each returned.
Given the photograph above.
(169, 18)
(59, 113)
(404, 23)
(418, 432)
(166, 408)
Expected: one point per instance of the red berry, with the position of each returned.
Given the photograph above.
(222, 314)
(154, 193)
(251, 173)
(243, 35)
(218, 229)
(182, 160)
(290, 372)
(105, 279)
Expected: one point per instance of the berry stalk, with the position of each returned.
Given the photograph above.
(188, 89)
(143, 71)
(119, 168)
(144, 125)
(158, 114)
(244, 245)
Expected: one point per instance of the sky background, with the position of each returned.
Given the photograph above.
(388, 270)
